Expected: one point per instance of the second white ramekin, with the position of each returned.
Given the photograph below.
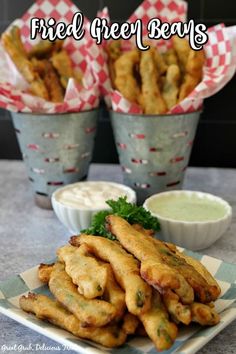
(188, 234)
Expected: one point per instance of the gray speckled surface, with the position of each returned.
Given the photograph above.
(29, 235)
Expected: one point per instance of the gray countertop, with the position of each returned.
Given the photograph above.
(29, 235)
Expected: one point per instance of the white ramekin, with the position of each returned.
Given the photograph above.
(192, 235)
(77, 219)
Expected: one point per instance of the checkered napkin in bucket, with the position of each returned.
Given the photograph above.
(220, 57)
(190, 339)
(12, 86)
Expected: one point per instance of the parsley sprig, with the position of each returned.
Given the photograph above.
(132, 213)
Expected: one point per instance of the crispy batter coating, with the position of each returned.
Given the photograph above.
(170, 88)
(17, 57)
(38, 88)
(39, 66)
(47, 309)
(139, 227)
(189, 84)
(130, 323)
(63, 64)
(84, 269)
(125, 81)
(191, 64)
(52, 82)
(113, 52)
(153, 268)
(106, 320)
(40, 56)
(203, 291)
(193, 271)
(152, 250)
(23, 64)
(114, 294)
(200, 269)
(35, 67)
(46, 71)
(182, 49)
(197, 312)
(44, 272)
(57, 45)
(78, 76)
(193, 73)
(41, 49)
(160, 62)
(204, 314)
(155, 81)
(44, 48)
(125, 268)
(170, 57)
(90, 312)
(157, 325)
(114, 49)
(152, 101)
(178, 311)
(195, 62)
(16, 38)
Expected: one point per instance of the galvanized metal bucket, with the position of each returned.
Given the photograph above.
(154, 151)
(57, 149)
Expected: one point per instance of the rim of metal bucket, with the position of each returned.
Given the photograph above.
(55, 114)
(155, 115)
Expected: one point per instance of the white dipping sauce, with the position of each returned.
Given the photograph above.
(90, 195)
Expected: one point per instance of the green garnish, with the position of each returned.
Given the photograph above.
(165, 252)
(171, 258)
(98, 226)
(130, 212)
(99, 288)
(140, 298)
(162, 332)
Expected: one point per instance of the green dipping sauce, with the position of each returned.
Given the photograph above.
(184, 207)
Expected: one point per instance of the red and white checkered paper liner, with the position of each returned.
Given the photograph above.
(220, 57)
(13, 87)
